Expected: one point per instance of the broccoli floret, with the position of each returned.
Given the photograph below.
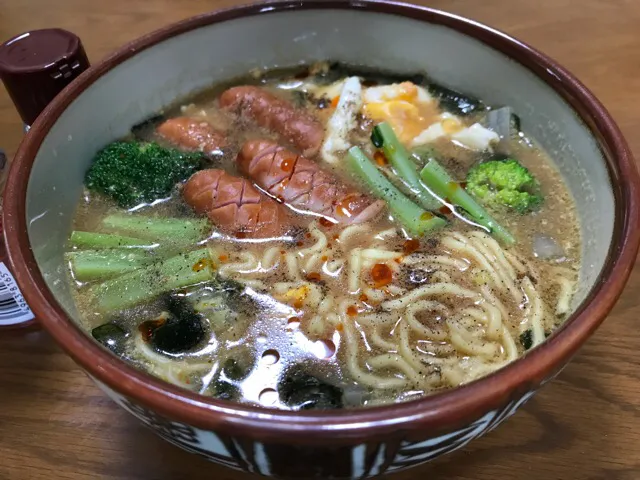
(133, 172)
(504, 183)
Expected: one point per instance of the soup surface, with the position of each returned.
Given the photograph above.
(324, 237)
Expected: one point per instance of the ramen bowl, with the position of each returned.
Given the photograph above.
(144, 76)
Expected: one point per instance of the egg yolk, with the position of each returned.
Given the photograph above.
(403, 111)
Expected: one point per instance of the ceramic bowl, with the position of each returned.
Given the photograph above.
(141, 78)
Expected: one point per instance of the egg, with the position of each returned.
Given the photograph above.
(411, 111)
(342, 121)
(475, 137)
(447, 124)
(396, 91)
(408, 108)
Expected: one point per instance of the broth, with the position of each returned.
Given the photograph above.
(334, 315)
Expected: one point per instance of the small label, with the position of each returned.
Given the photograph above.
(13, 307)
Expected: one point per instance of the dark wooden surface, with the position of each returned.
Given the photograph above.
(55, 424)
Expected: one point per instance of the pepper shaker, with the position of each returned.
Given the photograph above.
(35, 66)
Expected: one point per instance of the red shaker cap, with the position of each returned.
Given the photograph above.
(35, 66)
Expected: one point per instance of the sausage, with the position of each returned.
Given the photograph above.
(300, 129)
(303, 185)
(192, 134)
(234, 205)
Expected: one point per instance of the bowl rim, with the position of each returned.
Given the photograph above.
(439, 412)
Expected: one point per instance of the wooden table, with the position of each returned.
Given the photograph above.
(55, 424)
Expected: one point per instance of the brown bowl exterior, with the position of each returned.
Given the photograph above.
(350, 443)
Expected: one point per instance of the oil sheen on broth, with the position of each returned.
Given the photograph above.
(351, 304)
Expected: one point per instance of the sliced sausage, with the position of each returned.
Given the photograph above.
(192, 134)
(234, 205)
(296, 127)
(301, 183)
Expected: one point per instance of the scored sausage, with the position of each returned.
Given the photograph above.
(192, 134)
(302, 184)
(234, 205)
(269, 111)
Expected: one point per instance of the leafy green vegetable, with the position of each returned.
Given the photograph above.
(152, 280)
(103, 255)
(499, 184)
(384, 137)
(88, 265)
(80, 239)
(133, 172)
(159, 229)
(415, 219)
(441, 183)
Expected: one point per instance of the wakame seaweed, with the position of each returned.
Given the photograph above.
(455, 102)
(371, 76)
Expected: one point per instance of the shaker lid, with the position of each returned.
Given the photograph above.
(35, 66)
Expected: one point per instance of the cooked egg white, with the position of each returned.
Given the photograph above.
(475, 137)
(406, 91)
(343, 120)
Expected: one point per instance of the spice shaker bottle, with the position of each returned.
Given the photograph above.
(35, 66)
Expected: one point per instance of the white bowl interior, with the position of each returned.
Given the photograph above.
(156, 77)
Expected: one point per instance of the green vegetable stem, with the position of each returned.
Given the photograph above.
(383, 137)
(159, 229)
(441, 183)
(415, 219)
(79, 239)
(89, 265)
(146, 283)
